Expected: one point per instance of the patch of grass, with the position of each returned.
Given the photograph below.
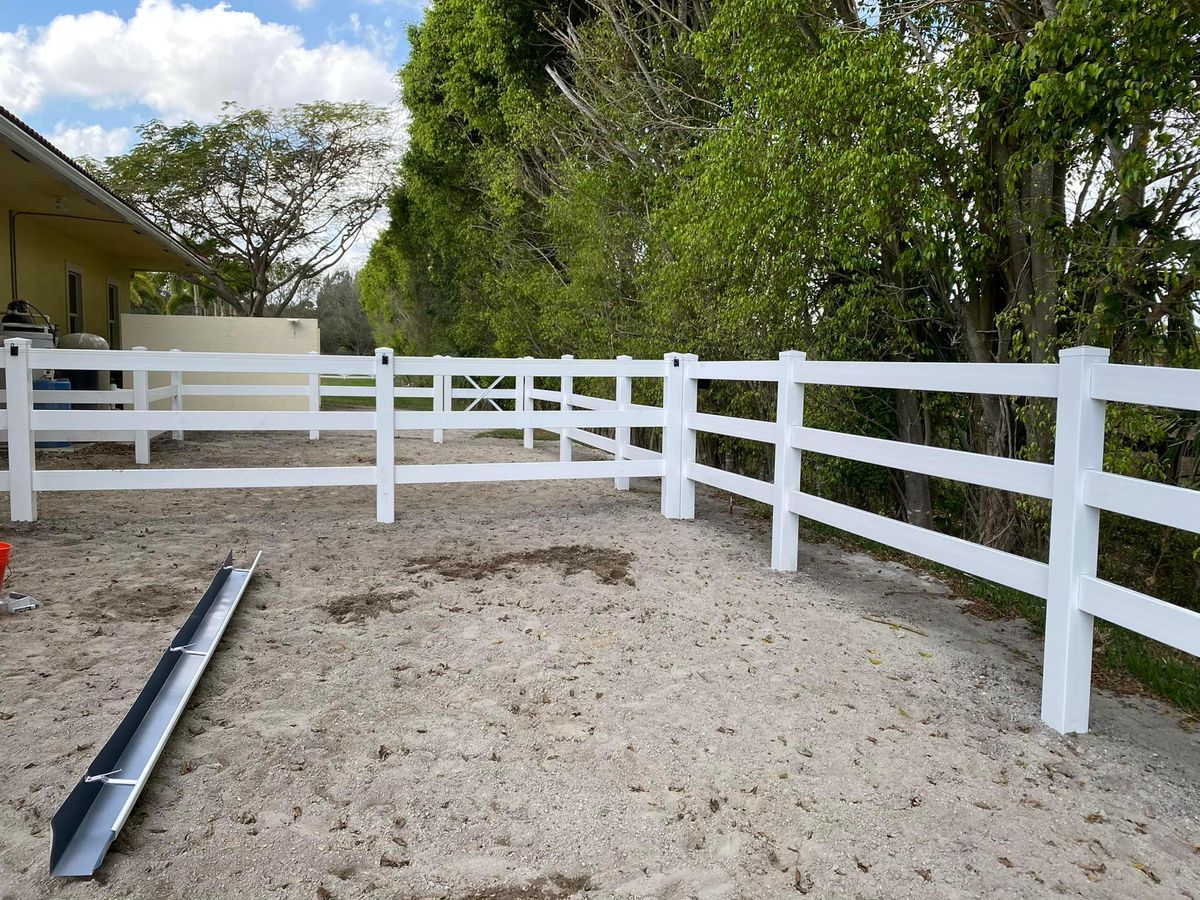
(408, 404)
(516, 434)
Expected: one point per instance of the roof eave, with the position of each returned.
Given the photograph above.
(28, 144)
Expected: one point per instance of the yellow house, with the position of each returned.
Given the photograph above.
(69, 245)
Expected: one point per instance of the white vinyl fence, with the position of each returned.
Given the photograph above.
(1077, 486)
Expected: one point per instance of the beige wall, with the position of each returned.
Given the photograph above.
(43, 256)
(227, 334)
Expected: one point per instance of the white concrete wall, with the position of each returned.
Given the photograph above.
(231, 335)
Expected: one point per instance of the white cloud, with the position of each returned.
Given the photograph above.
(182, 61)
(91, 140)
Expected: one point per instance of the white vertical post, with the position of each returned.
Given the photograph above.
(567, 387)
(519, 393)
(385, 435)
(439, 403)
(176, 396)
(789, 413)
(527, 390)
(678, 491)
(687, 436)
(624, 397)
(21, 497)
(448, 391)
(1074, 539)
(141, 403)
(314, 396)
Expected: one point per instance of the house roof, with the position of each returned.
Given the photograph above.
(104, 207)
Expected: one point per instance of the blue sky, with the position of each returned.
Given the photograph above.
(86, 73)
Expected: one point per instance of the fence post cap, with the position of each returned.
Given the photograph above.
(1086, 351)
(792, 354)
(138, 349)
(18, 342)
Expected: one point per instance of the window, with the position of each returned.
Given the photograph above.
(114, 317)
(74, 302)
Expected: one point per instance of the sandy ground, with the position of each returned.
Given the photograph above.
(547, 691)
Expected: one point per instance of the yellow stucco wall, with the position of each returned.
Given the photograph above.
(227, 334)
(44, 255)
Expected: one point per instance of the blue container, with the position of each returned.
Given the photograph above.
(52, 384)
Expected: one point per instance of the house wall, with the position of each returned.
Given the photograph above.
(231, 335)
(43, 256)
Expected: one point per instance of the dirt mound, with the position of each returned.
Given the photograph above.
(549, 887)
(150, 602)
(360, 607)
(609, 566)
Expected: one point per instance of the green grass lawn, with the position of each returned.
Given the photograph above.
(409, 404)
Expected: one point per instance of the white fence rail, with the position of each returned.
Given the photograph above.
(501, 393)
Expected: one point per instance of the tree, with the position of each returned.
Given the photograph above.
(273, 198)
(168, 294)
(343, 322)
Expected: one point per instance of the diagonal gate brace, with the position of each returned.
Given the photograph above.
(91, 817)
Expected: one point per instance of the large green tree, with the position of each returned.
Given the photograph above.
(273, 198)
(942, 180)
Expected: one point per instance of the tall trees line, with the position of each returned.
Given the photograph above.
(903, 180)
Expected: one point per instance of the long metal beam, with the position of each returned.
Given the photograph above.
(92, 816)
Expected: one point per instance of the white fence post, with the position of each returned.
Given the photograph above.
(141, 403)
(176, 396)
(21, 497)
(679, 441)
(624, 396)
(385, 435)
(314, 396)
(1074, 539)
(687, 436)
(789, 413)
(567, 387)
(527, 391)
(439, 402)
(519, 398)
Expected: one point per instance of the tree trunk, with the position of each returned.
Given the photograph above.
(918, 503)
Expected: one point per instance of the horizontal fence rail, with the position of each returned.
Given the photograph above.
(520, 394)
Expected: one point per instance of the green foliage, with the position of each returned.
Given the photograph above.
(945, 181)
(344, 325)
(273, 198)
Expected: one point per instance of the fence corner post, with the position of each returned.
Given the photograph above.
(314, 396)
(385, 435)
(566, 388)
(679, 441)
(624, 397)
(789, 414)
(439, 402)
(22, 498)
(141, 403)
(526, 390)
(1074, 540)
(176, 396)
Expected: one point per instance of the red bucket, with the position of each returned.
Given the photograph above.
(5, 551)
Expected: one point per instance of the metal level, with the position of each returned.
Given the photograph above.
(92, 816)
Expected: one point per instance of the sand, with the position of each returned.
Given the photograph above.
(547, 691)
